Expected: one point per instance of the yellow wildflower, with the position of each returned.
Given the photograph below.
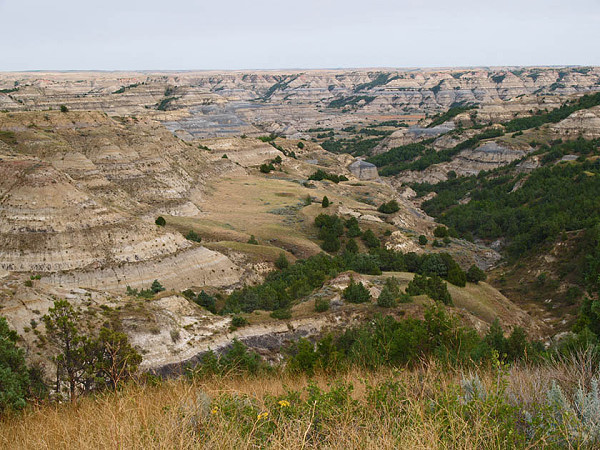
(283, 403)
(214, 410)
(263, 415)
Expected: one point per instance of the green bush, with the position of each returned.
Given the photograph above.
(301, 145)
(322, 305)
(356, 293)
(207, 301)
(64, 109)
(370, 239)
(193, 236)
(14, 375)
(282, 262)
(351, 246)
(440, 232)
(475, 274)
(389, 207)
(386, 298)
(432, 286)
(252, 240)
(160, 221)
(325, 202)
(422, 240)
(284, 313)
(238, 322)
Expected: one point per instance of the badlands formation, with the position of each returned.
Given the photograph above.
(81, 188)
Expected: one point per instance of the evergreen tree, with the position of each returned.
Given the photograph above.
(325, 202)
(14, 375)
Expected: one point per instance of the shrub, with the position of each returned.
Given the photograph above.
(457, 276)
(440, 232)
(353, 230)
(432, 286)
(386, 298)
(207, 301)
(389, 207)
(370, 239)
(238, 321)
(160, 221)
(224, 156)
(422, 240)
(193, 236)
(475, 274)
(300, 145)
(356, 293)
(322, 305)
(252, 240)
(282, 262)
(325, 202)
(283, 313)
(266, 168)
(156, 287)
(351, 246)
(14, 375)
(64, 109)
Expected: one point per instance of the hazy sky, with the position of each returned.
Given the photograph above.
(245, 34)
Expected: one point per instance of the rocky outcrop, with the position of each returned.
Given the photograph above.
(584, 123)
(363, 170)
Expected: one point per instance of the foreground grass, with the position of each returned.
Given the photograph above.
(424, 408)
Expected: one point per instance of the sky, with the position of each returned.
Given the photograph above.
(268, 34)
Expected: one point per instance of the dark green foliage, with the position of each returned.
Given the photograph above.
(330, 229)
(193, 236)
(457, 276)
(164, 103)
(325, 202)
(224, 156)
(236, 360)
(389, 207)
(156, 287)
(432, 286)
(160, 221)
(389, 342)
(300, 145)
(64, 109)
(282, 314)
(252, 240)
(321, 305)
(207, 301)
(238, 321)
(351, 246)
(475, 274)
(322, 175)
(356, 293)
(422, 240)
(554, 116)
(83, 362)
(14, 374)
(386, 298)
(370, 239)
(189, 294)
(282, 262)
(269, 138)
(266, 168)
(440, 232)
(450, 114)
(350, 101)
(353, 230)
(534, 213)
(380, 80)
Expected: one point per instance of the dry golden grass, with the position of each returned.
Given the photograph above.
(177, 414)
